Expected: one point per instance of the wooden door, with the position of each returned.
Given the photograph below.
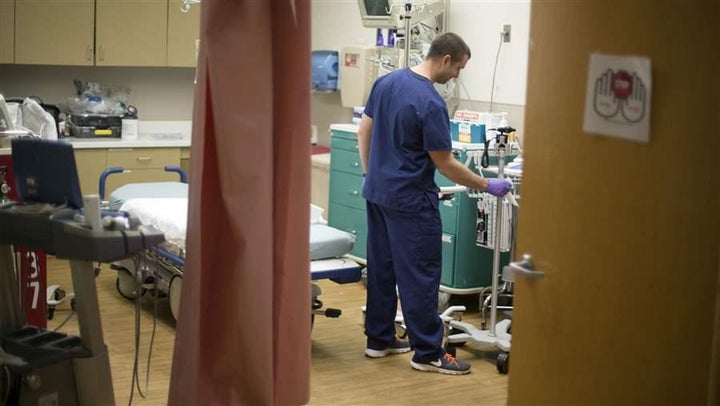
(626, 232)
(58, 32)
(183, 32)
(131, 33)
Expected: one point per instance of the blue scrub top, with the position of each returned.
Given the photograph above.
(409, 119)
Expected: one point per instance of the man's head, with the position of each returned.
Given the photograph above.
(448, 54)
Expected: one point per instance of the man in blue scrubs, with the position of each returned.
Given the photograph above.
(404, 135)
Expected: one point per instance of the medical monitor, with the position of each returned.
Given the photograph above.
(45, 172)
(376, 14)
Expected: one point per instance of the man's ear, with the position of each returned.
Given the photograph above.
(447, 59)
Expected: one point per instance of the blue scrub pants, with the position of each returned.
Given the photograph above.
(404, 248)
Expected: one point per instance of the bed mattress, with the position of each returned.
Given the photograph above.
(146, 190)
(170, 216)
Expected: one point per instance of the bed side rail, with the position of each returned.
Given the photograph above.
(119, 169)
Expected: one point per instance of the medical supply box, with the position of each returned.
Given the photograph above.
(93, 125)
(468, 126)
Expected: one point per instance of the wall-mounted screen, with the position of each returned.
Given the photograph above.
(376, 14)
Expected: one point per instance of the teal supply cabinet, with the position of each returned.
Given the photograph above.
(346, 206)
(466, 267)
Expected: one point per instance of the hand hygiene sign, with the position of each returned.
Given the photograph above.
(617, 98)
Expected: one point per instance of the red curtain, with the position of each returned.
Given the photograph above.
(243, 335)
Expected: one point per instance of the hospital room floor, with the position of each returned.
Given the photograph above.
(341, 374)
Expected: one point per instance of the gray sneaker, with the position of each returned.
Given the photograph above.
(447, 364)
(398, 346)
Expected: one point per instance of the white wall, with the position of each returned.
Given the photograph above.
(166, 93)
(336, 23)
(158, 93)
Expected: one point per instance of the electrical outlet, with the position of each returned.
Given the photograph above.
(506, 33)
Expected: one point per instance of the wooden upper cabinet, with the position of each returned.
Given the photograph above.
(183, 32)
(131, 33)
(7, 31)
(98, 32)
(57, 32)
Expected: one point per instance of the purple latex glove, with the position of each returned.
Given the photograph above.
(498, 187)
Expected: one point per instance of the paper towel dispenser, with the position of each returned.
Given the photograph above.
(324, 70)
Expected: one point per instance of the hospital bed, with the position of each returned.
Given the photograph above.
(165, 205)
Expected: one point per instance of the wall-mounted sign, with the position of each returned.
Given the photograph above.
(617, 98)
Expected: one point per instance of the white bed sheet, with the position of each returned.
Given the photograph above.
(166, 214)
(169, 215)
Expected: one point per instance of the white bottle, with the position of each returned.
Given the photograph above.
(129, 128)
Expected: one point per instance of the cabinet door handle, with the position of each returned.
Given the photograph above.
(354, 193)
(353, 232)
(101, 53)
(357, 146)
(143, 158)
(355, 164)
(88, 53)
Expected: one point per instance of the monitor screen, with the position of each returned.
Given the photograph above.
(376, 14)
(377, 7)
(45, 172)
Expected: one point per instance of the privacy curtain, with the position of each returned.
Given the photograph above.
(243, 335)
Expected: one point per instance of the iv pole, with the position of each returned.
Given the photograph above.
(406, 17)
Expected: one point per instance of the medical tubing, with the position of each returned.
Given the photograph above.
(485, 159)
(496, 245)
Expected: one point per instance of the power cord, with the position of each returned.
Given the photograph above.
(135, 380)
(72, 312)
(137, 284)
(497, 58)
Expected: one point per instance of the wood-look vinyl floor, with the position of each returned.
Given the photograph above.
(341, 374)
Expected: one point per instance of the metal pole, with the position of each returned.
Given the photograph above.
(408, 8)
(498, 228)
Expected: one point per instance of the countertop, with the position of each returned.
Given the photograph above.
(152, 134)
(351, 128)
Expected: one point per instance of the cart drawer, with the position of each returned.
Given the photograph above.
(346, 189)
(344, 143)
(353, 221)
(346, 161)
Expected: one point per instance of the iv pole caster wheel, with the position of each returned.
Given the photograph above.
(503, 362)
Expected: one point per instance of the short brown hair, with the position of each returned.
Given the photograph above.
(448, 44)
